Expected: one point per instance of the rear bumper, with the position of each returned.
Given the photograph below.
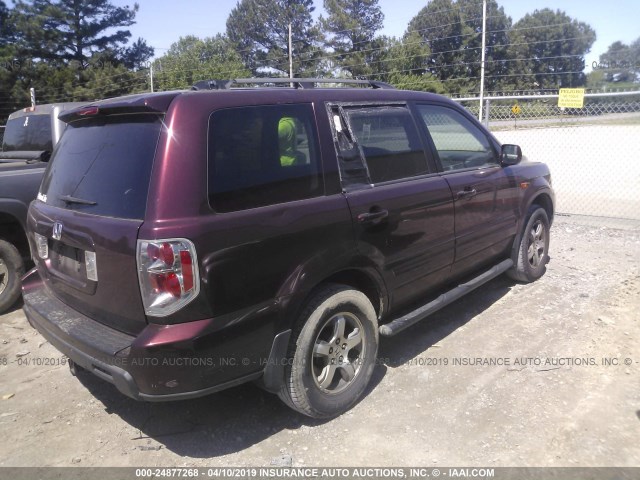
(162, 363)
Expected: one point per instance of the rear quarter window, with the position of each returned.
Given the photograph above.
(261, 156)
(106, 161)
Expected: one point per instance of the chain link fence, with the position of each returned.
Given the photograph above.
(593, 152)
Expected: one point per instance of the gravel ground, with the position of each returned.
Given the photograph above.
(549, 399)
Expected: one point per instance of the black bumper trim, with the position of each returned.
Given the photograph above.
(117, 376)
(170, 397)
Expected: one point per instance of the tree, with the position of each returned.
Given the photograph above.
(66, 30)
(403, 63)
(453, 31)
(106, 79)
(259, 31)
(352, 25)
(102, 78)
(191, 59)
(549, 48)
(621, 62)
(137, 55)
(68, 50)
(6, 27)
(10, 64)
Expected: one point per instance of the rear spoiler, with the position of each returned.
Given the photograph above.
(26, 156)
(144, 103)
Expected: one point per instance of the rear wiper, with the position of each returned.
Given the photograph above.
(81, 201)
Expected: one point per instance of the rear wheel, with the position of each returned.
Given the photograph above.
(332, 353)
(11, 271)
(532, 256)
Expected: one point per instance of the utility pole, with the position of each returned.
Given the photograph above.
(151, 75)
(32, 93)
(484, 41)
(290, 56)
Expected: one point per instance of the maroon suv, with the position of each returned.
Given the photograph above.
(186, 242)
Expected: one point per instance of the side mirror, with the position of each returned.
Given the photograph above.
(510, 155)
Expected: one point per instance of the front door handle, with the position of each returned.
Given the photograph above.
(373, 216)
(467, 193)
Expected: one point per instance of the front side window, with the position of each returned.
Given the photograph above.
(387, 138)
(460, 144)
(261, 156)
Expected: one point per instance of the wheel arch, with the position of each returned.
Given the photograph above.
(544, 200)
(12, 231)
(364, 279)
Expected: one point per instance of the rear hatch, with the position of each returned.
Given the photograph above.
(85, 221)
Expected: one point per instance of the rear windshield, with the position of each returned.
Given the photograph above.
(28, 133)
(102, 166)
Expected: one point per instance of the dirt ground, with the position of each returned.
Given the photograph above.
(563, 389)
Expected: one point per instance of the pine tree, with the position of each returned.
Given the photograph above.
(6, 29)
(352, 25)
(259, 31)
(66, 30)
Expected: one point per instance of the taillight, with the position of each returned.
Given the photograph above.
(168, 275)
(42, 244)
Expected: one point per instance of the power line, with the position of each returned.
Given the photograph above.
(140, 77)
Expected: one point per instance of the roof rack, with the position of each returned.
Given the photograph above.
(302, 83)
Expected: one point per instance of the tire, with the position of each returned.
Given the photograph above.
(532, 254)
(332, 353)
(11, 271)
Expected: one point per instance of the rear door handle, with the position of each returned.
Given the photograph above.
(372, 216)
(467, 193)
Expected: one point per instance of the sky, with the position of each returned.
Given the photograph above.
(162, 22)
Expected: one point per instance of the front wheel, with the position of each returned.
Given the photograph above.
(332, 353)
(532, 254)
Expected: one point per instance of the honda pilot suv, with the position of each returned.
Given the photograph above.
(189, 241)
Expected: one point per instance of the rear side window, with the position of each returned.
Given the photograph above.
(28, 133)
(105, 163)
(261, 156)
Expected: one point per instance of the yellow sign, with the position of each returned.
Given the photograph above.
(516, 110)
(571, 98)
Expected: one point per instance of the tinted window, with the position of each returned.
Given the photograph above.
(31, 132)
(262, 156)
(460, 143)
(107, 161)
(389, 141)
